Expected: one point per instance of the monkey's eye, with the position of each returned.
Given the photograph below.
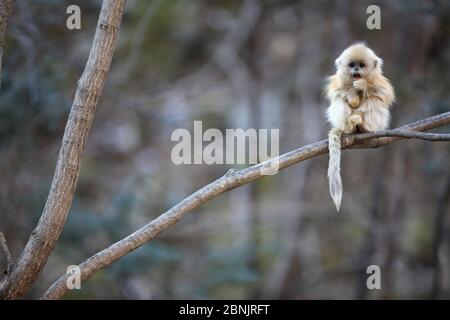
(362, 65)
(351, 64)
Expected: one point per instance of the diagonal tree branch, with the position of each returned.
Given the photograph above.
(234, 179)
(43, 238)
(6, 7)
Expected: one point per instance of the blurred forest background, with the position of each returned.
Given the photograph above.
(231, 64)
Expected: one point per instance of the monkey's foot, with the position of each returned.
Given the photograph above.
(355, 119)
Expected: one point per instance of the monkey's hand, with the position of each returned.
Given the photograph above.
(360, 84)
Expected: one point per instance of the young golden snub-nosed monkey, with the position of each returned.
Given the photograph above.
(360, 97)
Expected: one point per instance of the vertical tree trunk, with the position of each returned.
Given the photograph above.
(43, 238)
(5, 12)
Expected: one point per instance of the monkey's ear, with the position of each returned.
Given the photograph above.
(378, 63)
(337, 63)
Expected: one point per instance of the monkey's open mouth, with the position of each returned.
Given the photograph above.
(356, 76)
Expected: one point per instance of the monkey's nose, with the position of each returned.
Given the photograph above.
(356, 69)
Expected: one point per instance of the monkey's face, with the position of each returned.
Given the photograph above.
(354, 69)
(357, 62)
(357, 69)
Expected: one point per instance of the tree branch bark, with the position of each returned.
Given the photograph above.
(6, 7)
(43, 238)
(231, 180)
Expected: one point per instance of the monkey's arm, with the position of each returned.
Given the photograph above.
(381, 89)
(385, 93)
(360, 85)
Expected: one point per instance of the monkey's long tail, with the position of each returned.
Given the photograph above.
(334, 166)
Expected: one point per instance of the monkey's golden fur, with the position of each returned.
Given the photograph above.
(360, 97)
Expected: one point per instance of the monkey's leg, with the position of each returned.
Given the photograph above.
(375, 115)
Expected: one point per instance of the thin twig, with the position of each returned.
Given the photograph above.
(9, 259)
(139, 36)
(231, 180)
(401, 134)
